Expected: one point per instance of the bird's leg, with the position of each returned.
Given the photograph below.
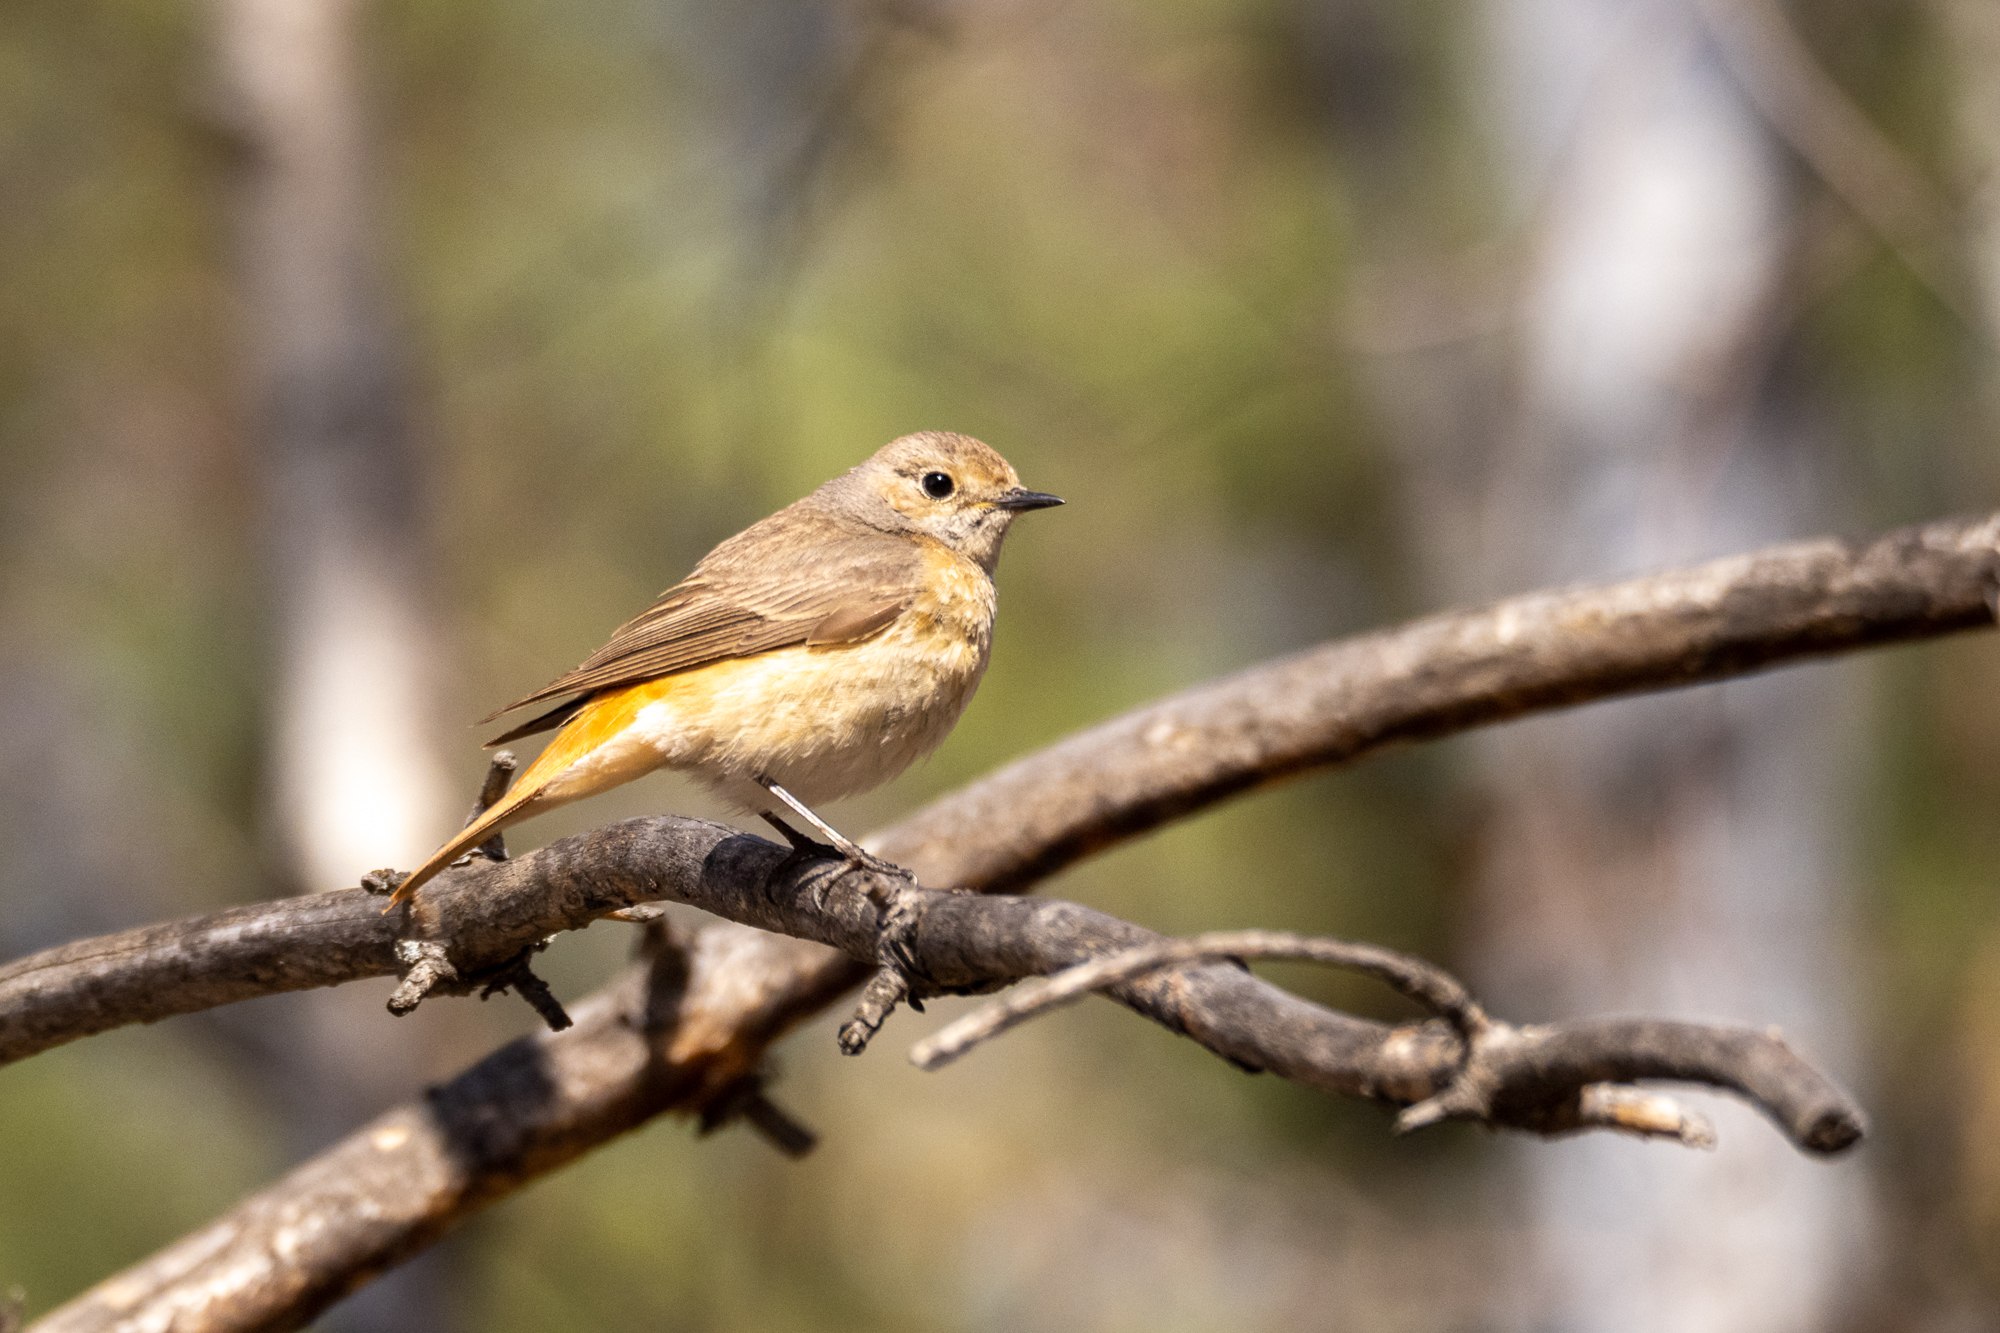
(897, 980)
(804, 850)
(851, 851)
(798, 841)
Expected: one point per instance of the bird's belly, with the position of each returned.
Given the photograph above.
(822, 722)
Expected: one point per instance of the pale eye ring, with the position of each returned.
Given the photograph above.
(937, 485)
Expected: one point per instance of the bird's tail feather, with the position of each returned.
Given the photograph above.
(587, 726)
(509, 808)
(548, 721)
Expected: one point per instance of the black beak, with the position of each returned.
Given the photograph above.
(1021, 501)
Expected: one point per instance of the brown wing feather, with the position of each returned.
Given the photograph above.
(792, 579)
(856, 621)
(548, 721)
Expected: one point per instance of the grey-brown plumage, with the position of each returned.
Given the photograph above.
(814, 654)
(802, 576)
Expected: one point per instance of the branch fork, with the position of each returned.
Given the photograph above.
(1481, 1087)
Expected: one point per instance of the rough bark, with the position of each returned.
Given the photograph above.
(686, 1030)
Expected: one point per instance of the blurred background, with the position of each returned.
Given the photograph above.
(362, 365)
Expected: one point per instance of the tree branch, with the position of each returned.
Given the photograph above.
(687, 1029)
(1325, 706)
(1410, 977)
(685, 1035)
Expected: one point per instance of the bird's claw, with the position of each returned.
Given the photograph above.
(804, 852)
(866, 863)
(851, 855)
(861, 859)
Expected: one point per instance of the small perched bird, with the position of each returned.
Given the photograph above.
(814, 655)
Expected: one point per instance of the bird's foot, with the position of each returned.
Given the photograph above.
(839, 848)
(860, 858)
(805, 851)
(856, 856)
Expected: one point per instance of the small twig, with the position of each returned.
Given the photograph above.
(1486, 1085)
(779, 1127)
(1628, 1110)
(899, 977)
(519, 976)
(1646, 1114)
(1429, 986)
(499, 775)
(749, 1102)
(886, 989)
(427, 969)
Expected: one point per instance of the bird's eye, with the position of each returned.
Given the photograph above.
(937, 485)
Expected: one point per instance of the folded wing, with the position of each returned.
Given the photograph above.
(804, 582)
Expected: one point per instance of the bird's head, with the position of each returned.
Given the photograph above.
(950, 487)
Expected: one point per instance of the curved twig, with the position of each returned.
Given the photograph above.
(1413, 978)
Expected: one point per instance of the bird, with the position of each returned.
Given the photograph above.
(814, 655)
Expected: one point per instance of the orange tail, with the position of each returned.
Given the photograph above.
(602, 718)
(515, 805)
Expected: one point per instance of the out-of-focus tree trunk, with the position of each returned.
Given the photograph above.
(1688, 852)
(355, 779)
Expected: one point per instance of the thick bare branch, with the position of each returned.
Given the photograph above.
(643, 1046)
(686, 1030)
(395, 1185)
(1446, 674)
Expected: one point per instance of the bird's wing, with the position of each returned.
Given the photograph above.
(796, 583)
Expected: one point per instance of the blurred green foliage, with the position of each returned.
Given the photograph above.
(662, 267)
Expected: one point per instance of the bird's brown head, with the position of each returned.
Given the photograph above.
(950, 487)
